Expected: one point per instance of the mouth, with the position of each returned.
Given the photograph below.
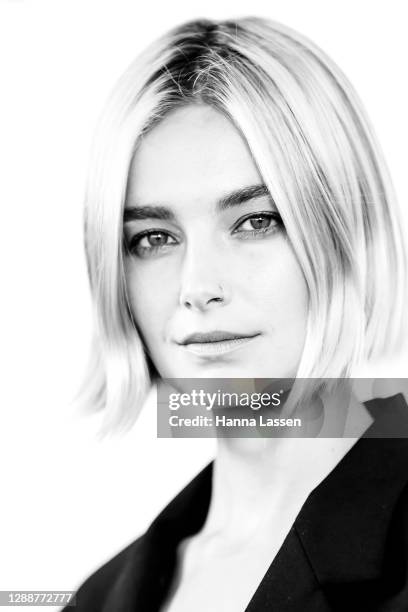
(216, 342)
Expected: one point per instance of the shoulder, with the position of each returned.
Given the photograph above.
(354, 526)
(93, 594)
(141, 572)
(394, 581)
(398, 528)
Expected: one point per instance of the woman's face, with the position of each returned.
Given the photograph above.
(214, 286)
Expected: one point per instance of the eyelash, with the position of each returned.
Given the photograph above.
(272, 216)
(134, 243)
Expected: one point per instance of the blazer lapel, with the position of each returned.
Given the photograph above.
(150, 567)
(335, 555)
(290, 584)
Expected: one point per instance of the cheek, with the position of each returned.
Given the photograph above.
(151, 297)
(275, 281)
(288, 293)
(282, 302)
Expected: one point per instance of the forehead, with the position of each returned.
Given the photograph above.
(195, 152)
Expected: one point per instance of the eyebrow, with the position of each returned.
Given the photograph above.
(235, 198)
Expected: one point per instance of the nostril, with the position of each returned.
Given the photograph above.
(202, 298)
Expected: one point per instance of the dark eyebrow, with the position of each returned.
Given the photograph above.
(239, 196)
(242, 195)
(133, 213)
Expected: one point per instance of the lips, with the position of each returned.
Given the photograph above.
(214, 336)
(212, 345)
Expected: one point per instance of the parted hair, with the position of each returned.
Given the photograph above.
(312, 142)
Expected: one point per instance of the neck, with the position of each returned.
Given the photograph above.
(254, 475)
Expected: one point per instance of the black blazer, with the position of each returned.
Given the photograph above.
(347, 549)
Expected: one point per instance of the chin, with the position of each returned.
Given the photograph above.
(214, 370)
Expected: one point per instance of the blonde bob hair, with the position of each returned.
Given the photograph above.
(318, 156)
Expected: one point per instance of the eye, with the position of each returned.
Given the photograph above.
(150, 242)
(257, 224)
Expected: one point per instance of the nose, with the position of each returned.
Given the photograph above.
(202, 298)
(202, 287)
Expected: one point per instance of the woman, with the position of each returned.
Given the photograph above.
(240, 223)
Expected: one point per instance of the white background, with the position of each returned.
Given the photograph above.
(69, 502)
